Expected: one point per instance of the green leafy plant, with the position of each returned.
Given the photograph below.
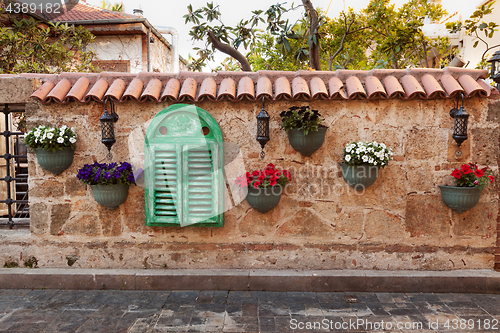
(367, 153)
(51, 138)
(301, 118)
(469, 175)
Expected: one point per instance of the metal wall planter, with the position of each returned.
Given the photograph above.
(306, 144)
(460, 199)
(55, 162)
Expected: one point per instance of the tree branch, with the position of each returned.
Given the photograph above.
(231, 51)
(313, 28)
(341, 47)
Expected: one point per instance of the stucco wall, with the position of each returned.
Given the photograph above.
(161, 57)
(126, 47)
(400, 222)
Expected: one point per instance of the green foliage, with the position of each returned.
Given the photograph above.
(34, 47)
(51, 138)
(475, 26)
(301, 118)
(116, 7)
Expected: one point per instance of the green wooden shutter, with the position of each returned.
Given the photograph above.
(201, 190)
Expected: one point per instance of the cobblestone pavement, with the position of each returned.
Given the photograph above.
(242, 311)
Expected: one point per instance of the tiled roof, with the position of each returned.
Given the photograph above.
(234, 86)
(83, 11)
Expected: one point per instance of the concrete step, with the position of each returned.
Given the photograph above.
(459, 281)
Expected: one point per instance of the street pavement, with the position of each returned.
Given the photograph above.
(53, 311)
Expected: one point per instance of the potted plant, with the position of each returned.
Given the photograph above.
(264, 187)
(109, 182)
(469, 181)
(303, 126)
(54, 146)
(361, 163)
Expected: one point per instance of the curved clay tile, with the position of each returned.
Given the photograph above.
(336, 88)
(246, 89)
(374, 88)
(489, 89)
(354, 88)
(208, 89)
(171, 90)
(188, 90)
(42, 92)
(471, 87)
(393, 87)
(451, 85)
(97, 91)
(116, 90)
(282, 88)
(227, 88)
(264, 87)
(300, 88)
(59, 92)
(152, 91)
(318, 88)
(412, 87)
(134, 90)
(432, 87)
(78, 91)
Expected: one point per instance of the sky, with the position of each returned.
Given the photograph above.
(170, 13)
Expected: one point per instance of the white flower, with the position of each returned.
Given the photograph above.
(63, 127)
(370, 149)
(50, 135)
(364, 158)
(37, 134)
(72, 140)
(347, 158)
(375, 143)
(60, 140)
(382, 145)
(370, 160)
(375, 163)
(348, 149)
(360, 144)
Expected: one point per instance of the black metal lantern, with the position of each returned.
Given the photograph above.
(107, 126)
(263, 128)
(461, 120)
(495, 68)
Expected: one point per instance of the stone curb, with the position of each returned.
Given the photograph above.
(459, 281)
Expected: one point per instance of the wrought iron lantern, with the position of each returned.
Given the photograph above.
(460, 127)
(263, 128)
(495, 68)
(107, 126)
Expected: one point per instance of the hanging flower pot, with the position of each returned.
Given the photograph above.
(470, 181)
(55, 161)
(306, 144)
(264, 187)
(109, 182)
(362, 161)
(110, 196)
(305, 132)
(54, 147)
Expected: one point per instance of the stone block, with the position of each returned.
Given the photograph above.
(74, 187)
(480, 221)
(58, 217)
(343, 131)
(485, 149)
(46, 189)
(134, 210)
(420, 177)
(384, 227)
(111, 221)
(85, 224)
(39, 218)
(16, 89)
(304, 224)
(426, 143)
(493, 111)
(427, 216)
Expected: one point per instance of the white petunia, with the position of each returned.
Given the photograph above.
(63, 127)
(360, 144)
(72, 140)
(50, 135)
(348, 149)
(348, 158)
(382, 145)
(375, 163)
(364, 158)
(60, 140)
(370, 160)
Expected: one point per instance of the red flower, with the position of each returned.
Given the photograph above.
(277, 174)
(491, 178)
(287, 174)
(262, 176)
(272, 181)
(465, 169)
(456, 173)
(256, 184)
(270, 166)
(479, 173)
(256, 173)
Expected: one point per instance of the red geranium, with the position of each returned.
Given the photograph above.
(268, 177)
(465, 169)
(456, 173)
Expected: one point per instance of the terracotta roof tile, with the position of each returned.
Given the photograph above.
(432, 87)
(374, 87)
(393, 87)
(311, 85)
(227, 89)
(171, 90)
(83, 11)
(282, 89)
(412, 88)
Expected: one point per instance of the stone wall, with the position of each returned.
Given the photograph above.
(400, 222)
